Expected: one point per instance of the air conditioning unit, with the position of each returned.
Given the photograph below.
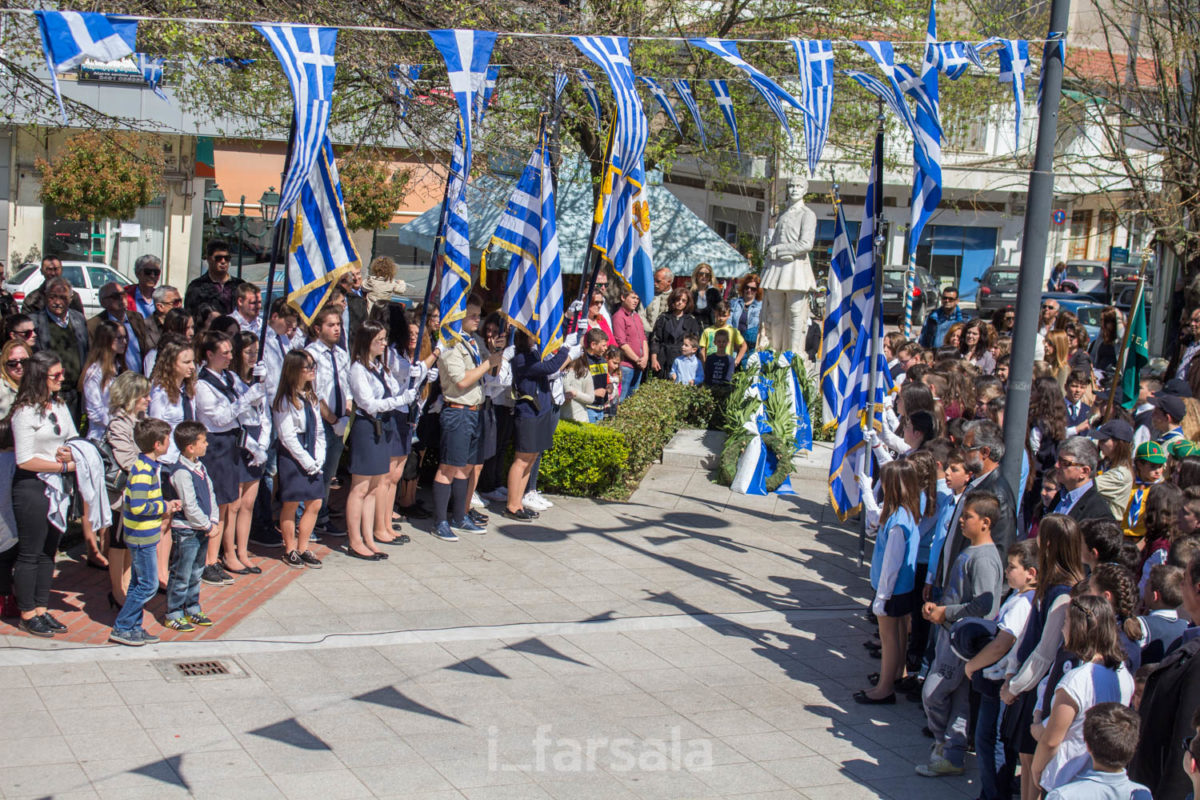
(753, 167)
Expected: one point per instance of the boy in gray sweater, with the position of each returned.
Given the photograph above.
(972, 590)
(191, 527)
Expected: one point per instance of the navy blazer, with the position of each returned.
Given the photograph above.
(1085, 411)
(531, 382)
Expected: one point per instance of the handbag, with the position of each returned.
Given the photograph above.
(115, 478)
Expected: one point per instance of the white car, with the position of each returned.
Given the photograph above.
(85, 276)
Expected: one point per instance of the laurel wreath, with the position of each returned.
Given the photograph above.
(779, 414)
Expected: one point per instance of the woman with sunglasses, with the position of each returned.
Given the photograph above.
(670, 329)
(20, 326)
(13, 356)
(41, 425)
(746, 309)
(704, 294)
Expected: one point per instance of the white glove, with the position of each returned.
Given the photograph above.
(260, 370)
(575, 308)
(877, 607)
(510, 353)
(432, 374)
(416, 373)
(258, 456)
(574, 352)
(872, 438)
(315, 469)
(575, 339)
(255, 393)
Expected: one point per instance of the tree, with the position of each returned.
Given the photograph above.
(102, 175)
(371, 188)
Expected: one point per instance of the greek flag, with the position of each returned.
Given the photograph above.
(952, 59)
(623, 213)
(815, 59)
(593, 97)
(484, 99)
(927, 172)
(560, 83)
(838, 334)
(725, 103)
(466, 54)
(892, 98)
(71, 37)
(306, 54)
(320, 249)
(533, 298)
(660, 95)
(684, 90)
(152, 73)
(1014, 63)
(404, 77)
(1055, 42)
(771, 92)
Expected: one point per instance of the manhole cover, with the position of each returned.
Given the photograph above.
(201, 669)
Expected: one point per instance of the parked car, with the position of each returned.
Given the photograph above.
(1124, 299)
(997, 289)
(926, 289)
(85, 276)
(1090, 278)
(1089, 317)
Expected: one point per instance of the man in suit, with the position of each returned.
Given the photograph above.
(36, 300)
(165, 299)
(1078, 411)
(983, 442)
(1077, 495)
(112, 300)
(63, 331)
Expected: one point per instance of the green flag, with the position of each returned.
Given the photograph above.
(1137, 353)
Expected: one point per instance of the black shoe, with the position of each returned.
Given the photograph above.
(226, 578)
(309, 560)
(292, 559)
(232, 571)
(53, 624)
(36, 626)
(862, 698)
(212, 576)
(908, 683)
(520, 515)
(380, 557)
(478, 518)
(350, 551)
(397, 540)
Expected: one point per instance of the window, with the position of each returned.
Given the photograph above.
(1081, 233)
(99, 276)
(74, 276)
(957, 255)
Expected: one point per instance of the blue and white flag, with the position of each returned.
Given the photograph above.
(593, 96)
(684, 90)
(466, 54)
(952, 59)
(306, 54)
(660, 95)
(533, 299)
(893, 98)
(725, 103)
(71, 37)
(404, 78)
(484, 99)
(560, 83)
(927, 172)
(1014, 63)
(838, 334)
(320, 249)
(152, 73)
(1056, 42)
(623, 213)
(774, 94)
(815, 60)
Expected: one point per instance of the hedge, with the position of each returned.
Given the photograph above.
(609, 459)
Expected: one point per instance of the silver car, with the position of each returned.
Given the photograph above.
(1090, 278)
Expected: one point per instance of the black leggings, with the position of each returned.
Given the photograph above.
(37, 542)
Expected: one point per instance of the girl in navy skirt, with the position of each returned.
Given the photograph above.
(373, 438)
(301, 451)
(256, 422)
(221, 399)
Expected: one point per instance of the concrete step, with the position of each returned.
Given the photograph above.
(696, 449)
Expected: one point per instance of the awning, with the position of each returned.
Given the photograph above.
(681, 239)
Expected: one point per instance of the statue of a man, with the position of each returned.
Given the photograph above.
(788, 278)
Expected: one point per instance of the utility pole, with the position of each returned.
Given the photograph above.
(1033, 252)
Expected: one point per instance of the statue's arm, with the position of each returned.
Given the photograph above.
(796, 242)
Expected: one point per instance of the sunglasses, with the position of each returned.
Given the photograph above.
(751, 289)
(27, 334)
(54, 422)
(152, 272)
(219, 257)
(16, 363)
(1067, 464)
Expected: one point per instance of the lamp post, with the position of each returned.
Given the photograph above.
(214, 204)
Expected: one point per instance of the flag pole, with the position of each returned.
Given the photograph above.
(1123, 361)
(876, 310)
(587, 279)
(276, 245)
(433, 260)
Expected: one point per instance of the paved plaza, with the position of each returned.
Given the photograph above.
(690, 643)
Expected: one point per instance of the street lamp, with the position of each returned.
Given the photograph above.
(214, 202)
(269, 203)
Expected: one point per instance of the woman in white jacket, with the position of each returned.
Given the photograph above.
(301, 456)
(578, 390)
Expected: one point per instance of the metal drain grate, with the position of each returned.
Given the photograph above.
(201, 669)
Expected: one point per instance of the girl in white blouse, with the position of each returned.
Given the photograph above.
(256, 422)
(301, 453)
(410, 378)
(221, 399)
(173, 388)
(105, 361)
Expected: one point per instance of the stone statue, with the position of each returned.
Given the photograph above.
(788, 278)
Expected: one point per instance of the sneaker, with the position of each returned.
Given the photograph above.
(212, 575)
(36, 626)
(132, 638)
(226, 578)
(540, 498)
(443, 532)
(534, 502)
(465, 525)
(148, 637)
(309, 560)
(200, 620)
(180, 624)
(477, 501)
(477, 518)
(293, 560)
(938, 767)
(520, 515)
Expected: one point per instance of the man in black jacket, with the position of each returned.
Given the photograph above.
(983, 442)
(1077, 496)
(216, 287)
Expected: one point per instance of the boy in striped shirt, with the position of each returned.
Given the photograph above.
(142, 517)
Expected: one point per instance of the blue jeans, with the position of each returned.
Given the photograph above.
(594, 416)
(996, 771)
(143, 585)
(631, 378)
(187, 562)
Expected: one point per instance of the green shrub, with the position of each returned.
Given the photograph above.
(585, 460)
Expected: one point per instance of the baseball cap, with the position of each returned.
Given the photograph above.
(1170, 404)
(1181, 448)
(1117, 429)
(1151, 453)
(970, 635)
(1177, 387)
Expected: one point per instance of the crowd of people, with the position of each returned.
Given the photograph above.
(1048, 626)
(206, 427)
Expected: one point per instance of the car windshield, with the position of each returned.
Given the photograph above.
(23, 273)
(1089, 315)
(1001, 276)
(1086, 271)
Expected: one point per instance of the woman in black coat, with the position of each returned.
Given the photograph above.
(704, 295)
(666, 340)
